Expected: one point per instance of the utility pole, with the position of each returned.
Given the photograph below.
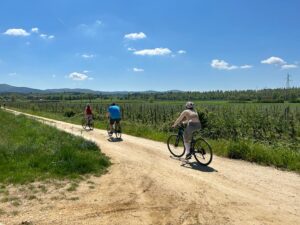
(288, 80)
(287, 85)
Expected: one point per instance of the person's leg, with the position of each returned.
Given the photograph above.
(187, 146)
(111, 122)
(118, 125)
(188, 135)
(89, 119)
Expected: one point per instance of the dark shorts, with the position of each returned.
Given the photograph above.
(112, 121)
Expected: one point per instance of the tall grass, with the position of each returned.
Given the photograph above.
(32, 151)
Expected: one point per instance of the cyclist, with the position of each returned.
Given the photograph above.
(88, 113)
(190, 117)
(114, 116)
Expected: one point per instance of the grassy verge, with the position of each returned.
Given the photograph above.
(248, 150)
(32, 151)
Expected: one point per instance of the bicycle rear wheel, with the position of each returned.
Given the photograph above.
(91, 125)
(118, 134)
(202, 152)
(108, 130)
(118, 131)
(176, 145)
(83, 123)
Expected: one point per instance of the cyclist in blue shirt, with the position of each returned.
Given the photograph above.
(114, 116)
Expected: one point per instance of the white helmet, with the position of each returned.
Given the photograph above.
(189, 105)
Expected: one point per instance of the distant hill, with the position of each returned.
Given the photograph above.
(5, 88)
(77, 90)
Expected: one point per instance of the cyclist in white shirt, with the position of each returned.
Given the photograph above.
(189, 117)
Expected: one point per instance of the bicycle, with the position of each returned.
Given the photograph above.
(88, 123)
(200, 148)
(117, 132)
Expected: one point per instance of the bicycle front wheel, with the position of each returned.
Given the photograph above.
(202, 152)
(176, 145)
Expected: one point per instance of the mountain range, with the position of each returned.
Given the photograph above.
(5, 88)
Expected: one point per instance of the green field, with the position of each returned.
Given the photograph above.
(31, 151)
(264, 133)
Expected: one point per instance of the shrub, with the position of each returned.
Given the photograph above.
(69, 113)
(238, 150)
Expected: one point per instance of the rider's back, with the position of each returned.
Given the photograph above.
(114, 112)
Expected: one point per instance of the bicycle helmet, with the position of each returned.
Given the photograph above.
(189, 105)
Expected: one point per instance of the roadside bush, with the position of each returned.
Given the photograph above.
(69, 113)
(238, 150)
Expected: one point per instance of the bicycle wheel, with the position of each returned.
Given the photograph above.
(108, 130)
(91, 124)
(83, 123)
(118, 134)
(175, 145)
(118, 131)
(202, 152)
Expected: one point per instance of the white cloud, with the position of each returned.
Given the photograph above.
(273, 60)
(78, 76)
(86, 71)
(155, 51)
(181, 52)
(131, 49)
(16, 32)
(246, 66)
(43, 36)
(87, 56)
(34, 30)
(138, 69)
(222, 65)
(47, 37)
(91, 78)
(289, 66)
(135, 36)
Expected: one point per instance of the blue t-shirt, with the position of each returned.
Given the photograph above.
(114, 112)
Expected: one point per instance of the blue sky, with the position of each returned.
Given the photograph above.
(150, 45)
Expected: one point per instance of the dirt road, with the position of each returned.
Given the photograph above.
(146, 186)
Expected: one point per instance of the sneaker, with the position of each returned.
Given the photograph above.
(188, 156)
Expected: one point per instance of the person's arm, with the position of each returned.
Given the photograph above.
(179, 119)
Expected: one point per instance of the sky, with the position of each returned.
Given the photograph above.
(137, 45)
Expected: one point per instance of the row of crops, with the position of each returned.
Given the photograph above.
(271, 123)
